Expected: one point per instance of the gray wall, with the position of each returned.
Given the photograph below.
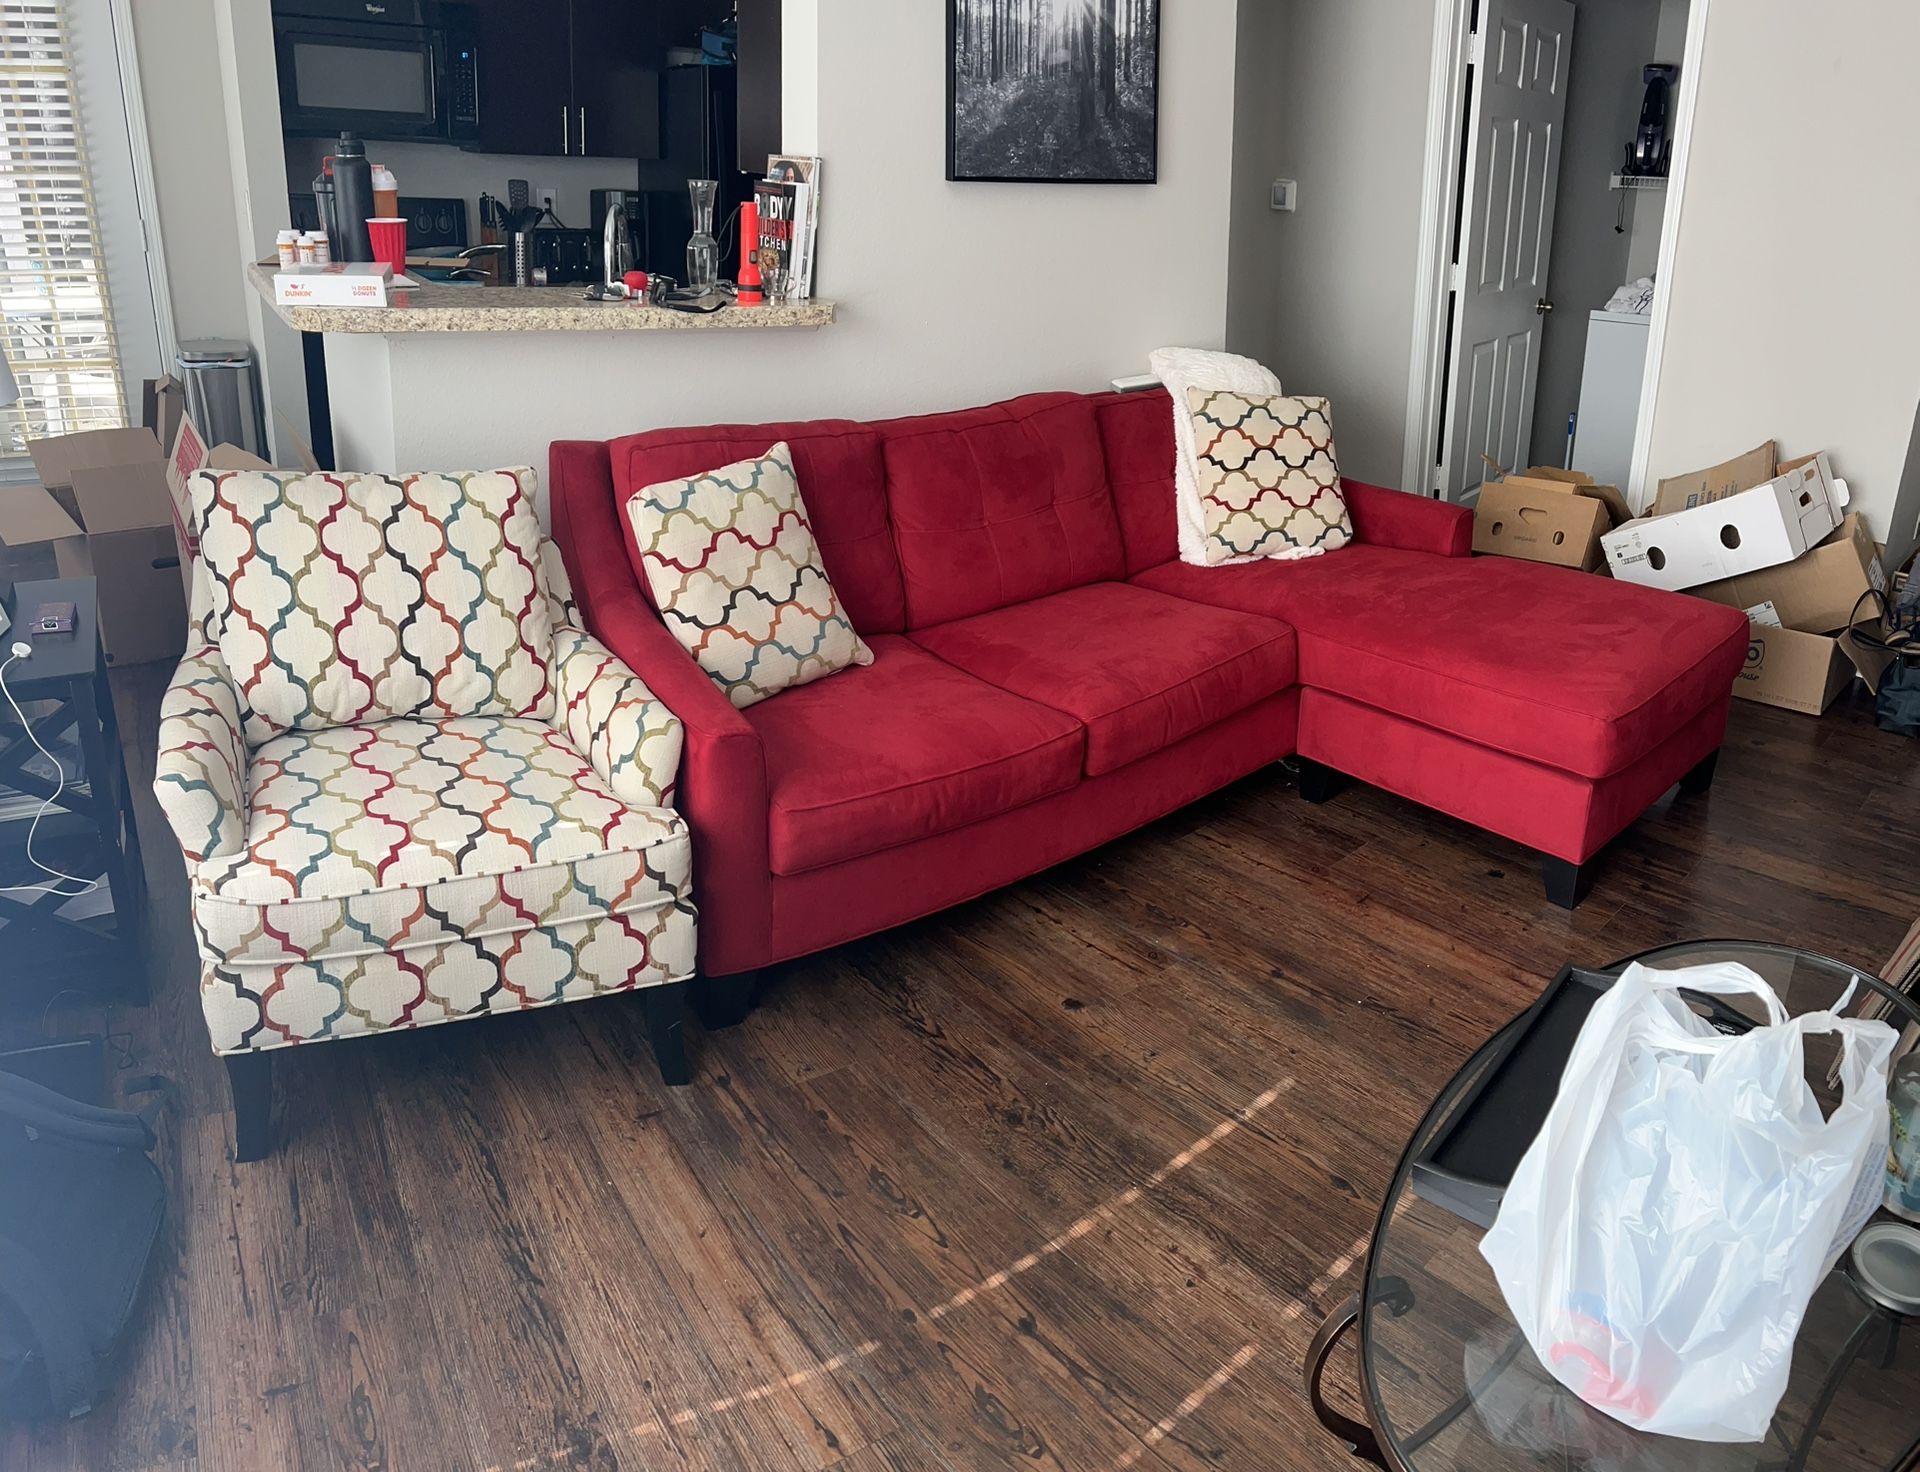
(1332, 93)
(1612, 40)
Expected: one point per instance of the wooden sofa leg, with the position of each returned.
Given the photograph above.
(1700, 778)
(1319, 783)
(666, 1010)
(1567, 883)
(250, 1077)
(723, 1001)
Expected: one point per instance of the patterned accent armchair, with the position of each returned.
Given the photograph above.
(409, 788)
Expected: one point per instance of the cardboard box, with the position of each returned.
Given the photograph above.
(1816, 593)
(1793, 670)
(103, 504)
(1716, 482)
(340, 284)
(1579, 483)
(1515, 518)
(1742, 533)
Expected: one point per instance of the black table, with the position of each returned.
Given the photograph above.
(89, 831)
(1448, 1381)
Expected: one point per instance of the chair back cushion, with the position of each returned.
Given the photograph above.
(999, 505)
(1136, 431)
(346, 599)
(732, 565)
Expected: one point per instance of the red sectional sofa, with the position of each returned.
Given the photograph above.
(1048, 675)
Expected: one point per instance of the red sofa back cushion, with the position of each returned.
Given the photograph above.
(842, 481)
(999, 505)
(1136, 430)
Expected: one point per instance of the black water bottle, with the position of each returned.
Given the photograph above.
(352, 200)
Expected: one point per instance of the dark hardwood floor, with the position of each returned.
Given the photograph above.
(1062, 1179)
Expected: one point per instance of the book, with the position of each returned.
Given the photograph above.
(776, 200)
(802, 170)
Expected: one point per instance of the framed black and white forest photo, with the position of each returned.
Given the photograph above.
(1053, 91)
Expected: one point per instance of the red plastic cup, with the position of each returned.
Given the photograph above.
(389, 240)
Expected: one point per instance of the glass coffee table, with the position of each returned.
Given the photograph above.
(1449, 1384)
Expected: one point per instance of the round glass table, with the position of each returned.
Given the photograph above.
(1448, 1381)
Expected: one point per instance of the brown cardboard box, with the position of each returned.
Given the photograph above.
(1579, 483)
(103, 504)
(1698, 487)
(1540, 522)
(1793, 670)
(1815, 593)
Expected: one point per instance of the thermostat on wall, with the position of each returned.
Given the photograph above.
(1285, 192)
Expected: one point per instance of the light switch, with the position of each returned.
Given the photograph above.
(1285, 192)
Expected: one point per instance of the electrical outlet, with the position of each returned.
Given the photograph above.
(546, 196)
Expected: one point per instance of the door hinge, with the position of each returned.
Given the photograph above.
(1476, 48)
(1439, 486)
(1459, 270)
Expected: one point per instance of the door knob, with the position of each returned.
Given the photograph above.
(1543, 306)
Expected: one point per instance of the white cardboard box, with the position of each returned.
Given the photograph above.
(1763, 527)
(341, 284)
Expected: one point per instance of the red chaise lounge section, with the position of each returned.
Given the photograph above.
(1048, 675)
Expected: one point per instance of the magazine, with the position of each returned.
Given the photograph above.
(802, 171)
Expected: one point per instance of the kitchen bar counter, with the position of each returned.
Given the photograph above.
(525, 309)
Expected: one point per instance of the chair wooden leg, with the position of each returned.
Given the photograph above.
(723, 1001)
(1700, 778)
(250, 1077)
(1567, 883)
(1319, 783)
(666, 1012)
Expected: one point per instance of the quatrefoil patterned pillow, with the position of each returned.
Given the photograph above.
(341, 600)
(1268, 480)
(734, 569)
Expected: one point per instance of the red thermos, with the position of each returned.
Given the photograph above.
(749, 293)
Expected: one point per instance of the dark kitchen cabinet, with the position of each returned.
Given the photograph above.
(526, 70)
(569, 79)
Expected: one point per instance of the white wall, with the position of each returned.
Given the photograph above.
(1324, 296)
(950, 294)
(1795, 312)
(193, 184)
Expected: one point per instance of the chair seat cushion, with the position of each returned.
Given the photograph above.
(1575, 671)
(410, 836)
(903, 749)
(1139, 669)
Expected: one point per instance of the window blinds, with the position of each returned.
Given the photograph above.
(53, 290)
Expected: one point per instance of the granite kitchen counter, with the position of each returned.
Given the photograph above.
(434, 308)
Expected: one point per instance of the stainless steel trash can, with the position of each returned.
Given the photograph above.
(223, 392)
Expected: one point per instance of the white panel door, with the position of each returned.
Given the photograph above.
(1513, 144)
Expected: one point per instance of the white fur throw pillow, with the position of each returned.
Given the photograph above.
(1181, 369)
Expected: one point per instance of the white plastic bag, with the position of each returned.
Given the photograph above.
(1663, 1234)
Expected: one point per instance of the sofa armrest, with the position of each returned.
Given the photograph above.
(722, 790)
(1389, 518)
(613, 720)
(200, 773)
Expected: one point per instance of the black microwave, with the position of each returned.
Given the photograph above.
(380, 68)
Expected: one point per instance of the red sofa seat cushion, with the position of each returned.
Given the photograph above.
(999, 505)
(1568, 669)
(903, 749)
(1140, 670)
(842, 483)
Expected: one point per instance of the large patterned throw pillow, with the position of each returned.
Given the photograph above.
(345, 599)
(1269, 483)
(736, 575)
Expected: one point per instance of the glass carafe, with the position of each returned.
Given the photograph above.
(703, 251)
